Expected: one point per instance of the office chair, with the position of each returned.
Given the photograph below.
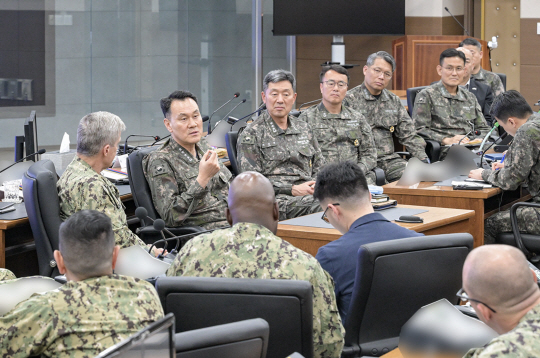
(247, 339)
(231, 138)
(287, 306)
(142, 196)
(43, 209)
(502, 76)
(411, 96)
(393, 280)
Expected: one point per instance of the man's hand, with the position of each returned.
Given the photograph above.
(306, 188)
(208, 167)
(476, 174)
(455, 139)
(497, 165)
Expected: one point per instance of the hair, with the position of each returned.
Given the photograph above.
(471, 42)
(384, 55)
(343, 181)
(96, 130)
(510, 104)
(452, 52)
(166, 102)
(86, 243)
(336, 68)
(276, 76)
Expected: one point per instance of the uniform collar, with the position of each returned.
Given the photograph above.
(258, 229)
(274, 128)
(460, 95)
(369, 97)
(344, 114)
(480, 75)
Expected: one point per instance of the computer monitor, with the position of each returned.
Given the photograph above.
(154, 341)
(30, 139)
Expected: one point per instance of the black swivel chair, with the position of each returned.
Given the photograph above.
(502, 76)
(199, 302)
(43, 209)
(230, 140)
(142, 196)
(393, 280)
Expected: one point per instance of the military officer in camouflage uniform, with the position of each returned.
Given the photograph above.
(93, 311)
(189, 185)
(5, 275)
(445, 112)
(83, 187)
(250, 249)
(343, 134)
(386, 115)
(503, 291)
(282, 148)
(478, 73)
(521, 164)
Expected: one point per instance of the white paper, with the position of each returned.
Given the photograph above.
(64, 146)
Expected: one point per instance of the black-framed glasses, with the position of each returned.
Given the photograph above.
(323, 217)
(332, 84)
(464, 297)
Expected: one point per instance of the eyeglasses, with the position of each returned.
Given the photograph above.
(452, 69)
(464, 297)
(332, 83)
(378, 72)
(323, 217)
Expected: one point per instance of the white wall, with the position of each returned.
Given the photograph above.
(433, 8)
(530, 9)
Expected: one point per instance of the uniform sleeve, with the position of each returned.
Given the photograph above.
(422, 117)
(487, 107)
(520, 158)
(328, 332)
(318, 160)
(367, 158)
(497, 86)
(479, 122)
(173, 207)
(407, 135)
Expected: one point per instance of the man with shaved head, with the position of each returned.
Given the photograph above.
(250, 249)
(504, 293)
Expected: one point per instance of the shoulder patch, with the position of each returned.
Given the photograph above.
(421, 100)
(159, 167)
(248, 139)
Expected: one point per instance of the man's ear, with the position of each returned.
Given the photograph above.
(116, 250)
(228, 216)
(365, 70)
(276, 211)
(439, 70)
(59, 262)
(483, 311)
(167, 123)
(336, 209)
(263, 97)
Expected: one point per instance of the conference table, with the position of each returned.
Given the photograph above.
(310, 237)
(485, 202)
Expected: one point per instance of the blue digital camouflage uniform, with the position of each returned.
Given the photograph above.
(5, 275)
(344, 136)
(491, 79)
(521, 166)
(251, 251)
(171, 172)
(521, 342)
(79, 319)
(387, 116)
(286, 157)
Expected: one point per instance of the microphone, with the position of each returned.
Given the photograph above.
(184, 236)
(472, 131)
(303, 104)
(236, 95)
(227, 115)
(142, 214)
(262, 107)
(492, 144)
(459, 23)
(41, 151)
(155, 137)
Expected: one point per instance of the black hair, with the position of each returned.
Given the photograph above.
(510, 104)
(340, 181)
(176, 95)
(452, 52)
(471, 42)
(336, 68)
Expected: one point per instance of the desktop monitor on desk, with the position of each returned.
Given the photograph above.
(28, 144)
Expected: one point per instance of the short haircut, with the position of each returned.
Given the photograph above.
(166, 102)
(336, 68)
(96, 130)
(276, 76)
(87, 243)
(510, 104)
(452, 52)
(471, 42)
(343, 181)
(384, 55)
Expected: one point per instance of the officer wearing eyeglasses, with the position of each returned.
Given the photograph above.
(342, 133)
(504, 293)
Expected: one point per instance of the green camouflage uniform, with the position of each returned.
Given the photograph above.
(286, 157)
(491, 79)
(521, 342)
(387, 116)
(82, 188)
(79, 319)
(521, 166)
(438, 115)
(5, 275)
(171, 172)
(251, 251)
(344, 136)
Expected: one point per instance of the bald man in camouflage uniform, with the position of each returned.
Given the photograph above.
(343, 134)
(282, 148)
(188, 183)
(250, 249)
(521, 164)
(5, 275)
(386, 115)
(93, 311)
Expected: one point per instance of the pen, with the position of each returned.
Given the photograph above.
(502, 160)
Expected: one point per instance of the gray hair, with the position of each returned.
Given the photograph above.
(385, 56)
(276, 76)
(96, 130)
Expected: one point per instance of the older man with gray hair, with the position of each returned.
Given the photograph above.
(83, 187)
(282, 148)
(386, 115)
